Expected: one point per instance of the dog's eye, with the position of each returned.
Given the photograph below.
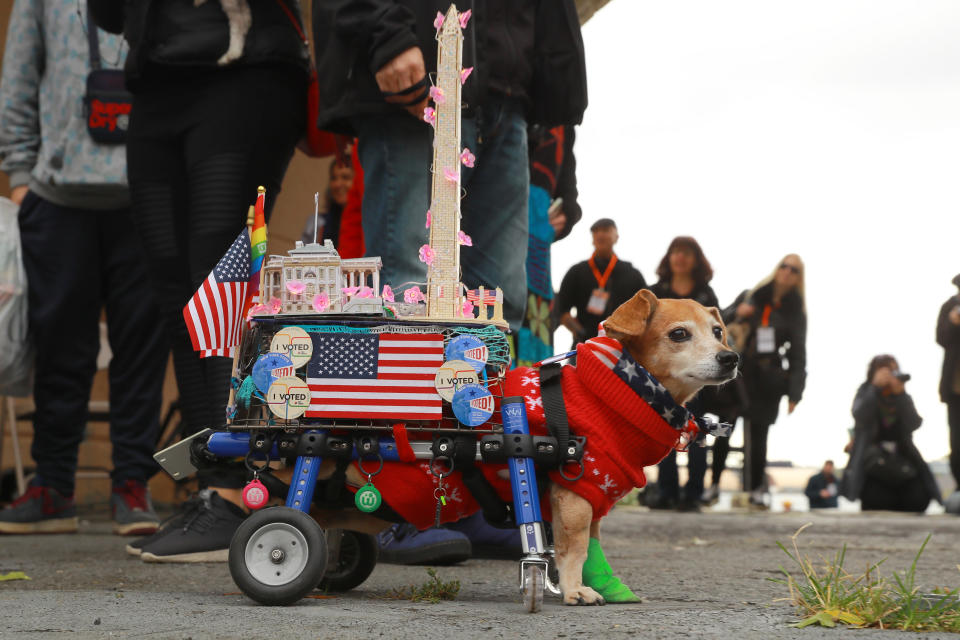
(718, 333)
(679, 335)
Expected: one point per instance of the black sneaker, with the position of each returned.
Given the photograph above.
(176, 520)
(204, 535)
(404, 544)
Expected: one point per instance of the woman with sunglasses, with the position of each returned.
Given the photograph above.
(774, 357)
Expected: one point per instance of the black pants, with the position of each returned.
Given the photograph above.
(755, 452)
(720, 449)
(953, 420)
(910, 496)
(668, 476)
(200, 142)
(77, 262)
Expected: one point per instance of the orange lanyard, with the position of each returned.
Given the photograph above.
(765, 320)
(602, 279)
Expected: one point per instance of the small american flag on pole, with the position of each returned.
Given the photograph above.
(214, 314)
(367, 375)
(489, 297)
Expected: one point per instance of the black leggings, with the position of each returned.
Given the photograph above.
(199, 144)
(755, 452)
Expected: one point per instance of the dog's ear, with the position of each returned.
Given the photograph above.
(716, 314)
(632, 316)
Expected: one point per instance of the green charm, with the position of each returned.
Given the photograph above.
(367, 498)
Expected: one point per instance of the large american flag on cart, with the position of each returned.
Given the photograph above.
(388, 376)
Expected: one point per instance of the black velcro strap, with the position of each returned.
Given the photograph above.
(552, 394)
(421, 85)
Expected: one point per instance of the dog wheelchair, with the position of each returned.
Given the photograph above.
(280, 553)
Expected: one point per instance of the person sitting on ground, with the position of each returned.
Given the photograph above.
(885, 470)
(822, 488)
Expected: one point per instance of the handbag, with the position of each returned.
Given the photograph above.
(106, 103)
(887, 467)
(317, 143)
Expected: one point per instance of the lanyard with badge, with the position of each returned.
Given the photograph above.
(600, 296)
(766, 335)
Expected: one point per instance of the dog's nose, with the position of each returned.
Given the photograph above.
(728, 359)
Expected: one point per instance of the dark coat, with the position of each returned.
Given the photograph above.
(765, 378)
(553, 168)
(867, 431)
(948, 337)
(153, 31)
(703, 294)
(817, 483)
(355, 38)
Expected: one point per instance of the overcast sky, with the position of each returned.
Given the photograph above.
(829, 129)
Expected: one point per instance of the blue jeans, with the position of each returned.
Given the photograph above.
(396, 152)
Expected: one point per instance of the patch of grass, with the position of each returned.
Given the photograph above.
(828, 594)
(432, 591)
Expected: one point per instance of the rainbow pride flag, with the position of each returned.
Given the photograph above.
(258, 248)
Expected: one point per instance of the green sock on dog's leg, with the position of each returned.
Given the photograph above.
(598, 575)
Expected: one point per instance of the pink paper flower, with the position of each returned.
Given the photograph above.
(413, 295)
(467, 309)
(274, 306)
(256, 310)
(365, 292)
(437, 94)
(438, 21)
(451, 174)
(464, 239)
(465, 18)
(295, 287)
(464, 74)
(320, 302)
(467, 158)
(429, 218)
(430, 115)
(387, 293)
(349, 291)
(427, 254)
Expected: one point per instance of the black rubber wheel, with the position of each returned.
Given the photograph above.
(358, 557)
(278, 555)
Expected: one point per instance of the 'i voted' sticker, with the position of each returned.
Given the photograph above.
(288, 398)
(470, 349)
(473, 405)
(452, 375)
(270, 367)
(295, 342)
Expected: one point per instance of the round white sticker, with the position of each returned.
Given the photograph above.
(295, 342)
(288, 398)
(452, 375)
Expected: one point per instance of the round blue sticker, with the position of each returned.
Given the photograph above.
(473, 405)
(470, 349)
(269, 368)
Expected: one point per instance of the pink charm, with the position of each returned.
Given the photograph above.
(438, 21)
(295, 287)
(413, 295)
(427, 254)
(365, 292)
(467, 158)
(467, 309)
(387, 293)
(465, 74)
(437, 94)
(465, 18)
(429, 218)
(451, 174)
(320, 302)
(349, 291)
(274, 306)
(256, 310)
(255, 495)
(464, 239)
(430, 115)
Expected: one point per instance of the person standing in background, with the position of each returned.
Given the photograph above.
(948, 337)
(596, 287)
(340, 182)
(81, 254)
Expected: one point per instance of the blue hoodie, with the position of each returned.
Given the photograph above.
(44, 141)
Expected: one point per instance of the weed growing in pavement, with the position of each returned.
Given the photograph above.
(432, 591)
(830, 594)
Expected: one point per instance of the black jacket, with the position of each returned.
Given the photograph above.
(817, 483)
(553, 168)
(764, 376)
(948, 337)
(867, 431)
(174, 33)
(703, 294)
(529, 48)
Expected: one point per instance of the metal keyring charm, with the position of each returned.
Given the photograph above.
(578, 476)
(441, 475)
(367, 473)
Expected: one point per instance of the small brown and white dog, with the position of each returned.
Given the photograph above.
(681, 343)
(240, 19)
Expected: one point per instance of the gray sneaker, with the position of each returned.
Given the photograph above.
(133, 513)
(40, 510)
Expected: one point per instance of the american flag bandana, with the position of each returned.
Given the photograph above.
(611, 353)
